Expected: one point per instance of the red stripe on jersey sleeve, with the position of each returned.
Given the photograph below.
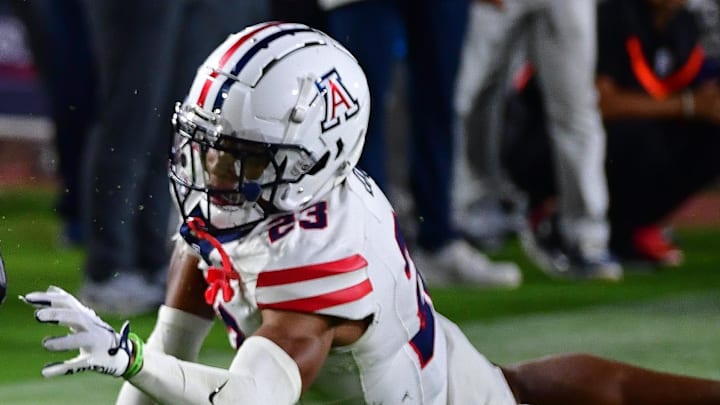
(318, 302)
(310, 272)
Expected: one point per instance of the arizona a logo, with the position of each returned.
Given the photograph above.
(339, 103)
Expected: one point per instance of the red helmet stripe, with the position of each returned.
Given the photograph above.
(226, 56)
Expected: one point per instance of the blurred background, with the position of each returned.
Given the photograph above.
(664, 312)
(28, 154)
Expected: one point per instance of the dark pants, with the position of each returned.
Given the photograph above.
(300, 11)
(148, 53)
(653, 167)
(62, 51)
(376, 31)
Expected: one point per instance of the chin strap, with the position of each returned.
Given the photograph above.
(218, 278)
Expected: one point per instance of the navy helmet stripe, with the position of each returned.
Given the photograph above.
(245, 59)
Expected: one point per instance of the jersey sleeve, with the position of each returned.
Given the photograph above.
(322, 265)
(338, 288)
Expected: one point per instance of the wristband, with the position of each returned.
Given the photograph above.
(138, 357)
(688, 104)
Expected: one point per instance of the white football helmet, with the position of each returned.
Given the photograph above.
(276, 117)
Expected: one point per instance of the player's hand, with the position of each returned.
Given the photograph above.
(101, 348)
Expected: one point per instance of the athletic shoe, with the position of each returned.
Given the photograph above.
(459, 263)
(126, 294)
(489, 222)
(558, 259)
(651, 245)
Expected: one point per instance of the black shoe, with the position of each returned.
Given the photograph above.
(545, 246)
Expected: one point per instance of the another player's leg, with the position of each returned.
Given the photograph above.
(589, 380)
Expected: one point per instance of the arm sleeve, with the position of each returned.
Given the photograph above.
(261, 373)
(177, 333)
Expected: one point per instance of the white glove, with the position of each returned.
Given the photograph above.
(101, 348)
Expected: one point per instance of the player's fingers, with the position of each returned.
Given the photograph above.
(37, 298)
(61, 298)
(65, 367)
(54, 369)
(62, 316)
(69, 342)
(54, 296)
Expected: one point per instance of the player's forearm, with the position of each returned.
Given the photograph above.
(260, 374)
(171, 381)
(624, 104)
(176, 333)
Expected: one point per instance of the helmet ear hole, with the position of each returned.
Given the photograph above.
(320, 164)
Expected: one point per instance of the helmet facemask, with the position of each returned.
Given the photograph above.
(231, 179)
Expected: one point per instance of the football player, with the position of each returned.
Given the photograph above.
(300, 255)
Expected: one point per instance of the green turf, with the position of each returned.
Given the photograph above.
(668, 319)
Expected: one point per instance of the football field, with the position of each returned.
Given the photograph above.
(667, 319)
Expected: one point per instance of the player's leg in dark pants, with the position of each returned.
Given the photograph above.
(372, 30)
(653, 167)
(61, 48)
(435, 35)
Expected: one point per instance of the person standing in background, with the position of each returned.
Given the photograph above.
(431, 33)
(660, 103)
(570, 241)
(62, 51)
(147, 52)
(660, 100)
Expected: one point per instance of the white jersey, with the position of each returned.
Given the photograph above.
(345, 257)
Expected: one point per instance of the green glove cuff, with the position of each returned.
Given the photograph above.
(137, 363)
